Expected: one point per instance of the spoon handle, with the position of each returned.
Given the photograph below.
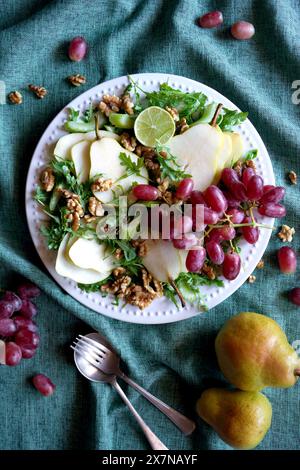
(186, 425)
(153, 440)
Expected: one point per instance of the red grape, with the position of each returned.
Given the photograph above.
(273, 195)
(27, 290)
(272, 210)
(28, 309)
(242, 30)
(182, 225)
(294, 296)
(145, 192)
(6, 309)
(215, 199)
(22, 322)
(28, 353)
(210, 217)
(195, 260)
(267, 187)
(12, 298)
(232, 202)
(197, 198)
(255, 188)
(236, 216)
(287, 260)
(186, 242)
(26, 338)
(185, 188)
(247, 175)
(77, 49)
(13, 354)
(250, 234)
(43, 384)
(211, 19)
(7, 327)
(222, 233)
(231, 266)
(215, 252)
(232, 182)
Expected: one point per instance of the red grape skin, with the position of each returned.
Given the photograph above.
(28, 309)
(186, 242)
(13, 354)
(28, 353)
(255, 188)
(215, 199)
(195, 260)
(12, 298)
(247, 175)
(232, 202)
(185, 188)
(43, 384)
(7, 327)
(210, 217)
(251, 234)
(27, 290)
(221, 234)
(182, 225)
(77, 49)
(145, 192)
(22, 322)
(272, 210)
(6, 309)
(274, 195)
(294, 296)
(215, 252)
(231, 266)
(197, 198)
(242, 30)
(287, 260)
(236, 216)
(211, 19)
(232, 182)
(27, 338)
(267, 187)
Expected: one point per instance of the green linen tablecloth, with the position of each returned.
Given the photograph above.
(174, 361)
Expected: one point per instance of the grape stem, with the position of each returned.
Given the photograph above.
(297, 372)
(253, 224)
(173, 284)
(216, 115)
(97, 127)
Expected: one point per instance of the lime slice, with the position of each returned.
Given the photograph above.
(154, 125)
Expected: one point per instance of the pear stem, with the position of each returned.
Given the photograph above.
(97, 126)
(297, 372)
(173, 284)
(216, 115)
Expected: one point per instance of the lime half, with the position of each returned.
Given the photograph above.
(154, 125)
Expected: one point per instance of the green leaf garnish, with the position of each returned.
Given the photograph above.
(169, 167)
(251, 155)
(230, 118)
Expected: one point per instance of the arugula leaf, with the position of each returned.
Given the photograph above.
(73, 115)
(133, 265)
(251, 155)
(86, 123)
(189, 285)
(170, 293)
(169, 168)
(133, 89)
(186, 103)
(132, 168)
(125, 246)
(94, 287)
(88, 114)
(55, 231)
(41, 196)
(230, 118)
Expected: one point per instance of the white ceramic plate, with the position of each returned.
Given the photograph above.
(161, 310)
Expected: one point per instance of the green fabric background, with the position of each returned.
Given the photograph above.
(174, 361)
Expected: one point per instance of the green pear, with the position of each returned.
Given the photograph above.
(240, 418)
(253, 352)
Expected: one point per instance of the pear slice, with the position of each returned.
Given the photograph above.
(105, 161)
(237, 147)
(225, 153)
(65, 267)
(162, 260)
(89, 254)
(80, 154)
(198, 150)
(66, 142)
(2, 352)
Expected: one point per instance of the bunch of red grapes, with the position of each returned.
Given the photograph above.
(17, 327)
(227, 207)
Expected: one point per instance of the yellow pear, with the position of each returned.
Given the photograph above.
(240, 418)
(253, 352)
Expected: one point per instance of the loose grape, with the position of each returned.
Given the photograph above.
(27, 290)
(251, 234)
(197, 198)
(6, 309)
(255, 188)
(195, 260)
(247, 175)
(235, 186)
(22, 322)
(242, 30)
(236, 215)
(211, 19)
(215, 252)
(272, 210)
(28, 353)
(7, 327)
(294, 296)
(287, 260)
(43, 384)
(273, 195)
(77, 49)
(186, 242)
(210, 217)
(26, 338)
(13, 354)
(215, 199)
(185, 188)
(145, 192)
(12, 298)
(28, 309)
(231, 266)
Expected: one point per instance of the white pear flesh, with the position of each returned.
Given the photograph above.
(66, 268)
(225, 153)
(162, 260)
(65, 143)
(2, 352)
(80, 154)
(105, 161)
(89, 254)
(198, 150)
(237, 147)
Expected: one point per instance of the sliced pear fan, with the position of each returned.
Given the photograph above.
(66, 142)
(89, 254)
(80, 154)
